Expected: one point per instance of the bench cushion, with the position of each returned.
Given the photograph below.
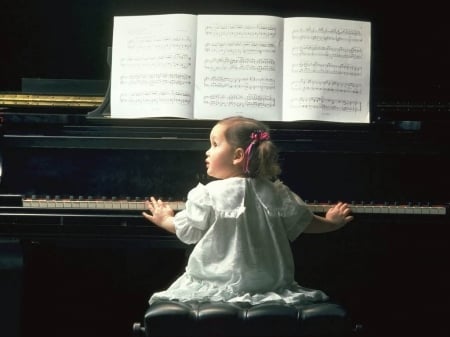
(173, 318)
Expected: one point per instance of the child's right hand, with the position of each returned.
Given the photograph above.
(161, 214)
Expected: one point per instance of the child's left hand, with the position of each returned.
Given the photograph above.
(339, 214)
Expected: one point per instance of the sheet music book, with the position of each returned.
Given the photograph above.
(265, 67)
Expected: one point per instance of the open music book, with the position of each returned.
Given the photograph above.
(265, 67)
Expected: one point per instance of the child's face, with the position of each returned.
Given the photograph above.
(222, 159)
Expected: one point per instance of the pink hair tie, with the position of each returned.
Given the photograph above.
(256, 137)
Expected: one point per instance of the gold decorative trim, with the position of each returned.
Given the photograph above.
(49, 100)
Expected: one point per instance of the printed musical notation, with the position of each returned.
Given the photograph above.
(239, 64)
(152, 66)
(327, 34)
(326, 104)
(155, 97)
(328, 51)
(237, 30)
(239, 101)
(247, 83)
(235, 48)
(158, 43)
(264, 67)
(157, 79)
(326, 86)
(343, 69)
(175, 61)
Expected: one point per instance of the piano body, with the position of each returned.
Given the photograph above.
(72, 194)
(77, 258)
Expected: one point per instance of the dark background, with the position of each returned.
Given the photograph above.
(68, 39)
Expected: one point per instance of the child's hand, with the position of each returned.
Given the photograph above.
(339, 214)
(161, 214)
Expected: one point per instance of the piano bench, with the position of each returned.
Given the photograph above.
(174, 318)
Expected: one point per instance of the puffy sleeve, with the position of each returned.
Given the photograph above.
(192, 222)
(295, 213)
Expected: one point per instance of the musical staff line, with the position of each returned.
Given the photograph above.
(156, 79)
(236, 30)
(326, 34)
(326, 104)
(327, 85)
(240, 48)
(160, 43)
(248, 83)
(240, 63)
(239, 101)
(157, 97)
(345, 69)
(328, 51)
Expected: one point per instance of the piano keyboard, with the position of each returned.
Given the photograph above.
(385, 209)
(139, 205)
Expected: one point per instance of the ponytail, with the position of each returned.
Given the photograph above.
(261, 154)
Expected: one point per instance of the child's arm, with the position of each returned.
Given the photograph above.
(335, 218)
(161, 214)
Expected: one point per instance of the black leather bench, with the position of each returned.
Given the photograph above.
(173, 318)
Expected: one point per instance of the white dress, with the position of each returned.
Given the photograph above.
(242, 228)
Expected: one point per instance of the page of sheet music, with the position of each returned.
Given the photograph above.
(238, 70)
(326, 70)
(153, 62)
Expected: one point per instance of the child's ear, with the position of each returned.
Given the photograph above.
(239, 155)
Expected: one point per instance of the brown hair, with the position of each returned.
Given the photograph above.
(263, 161)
